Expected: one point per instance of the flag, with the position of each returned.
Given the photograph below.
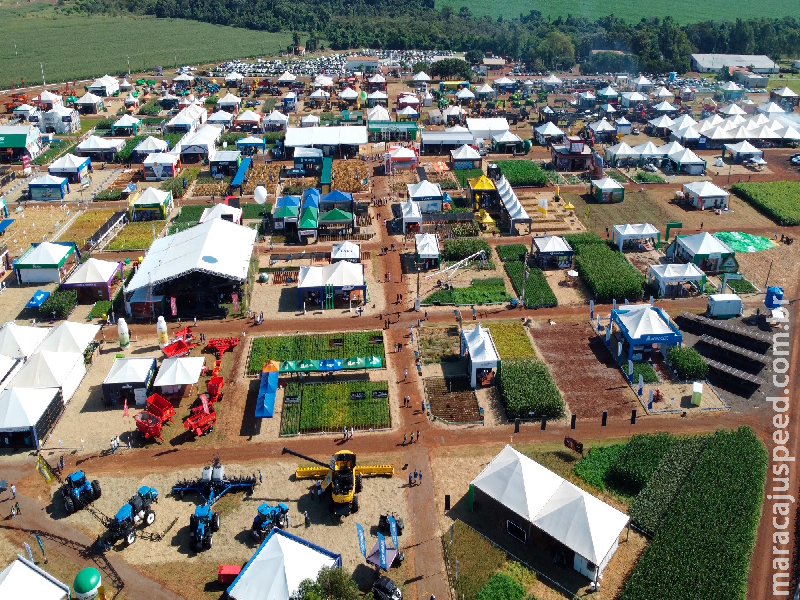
(235, 299)
(382, 551)
(174, 306)
(41, 547)
(393, 530)
(28, 550)
(125, 408)
(44, 469)
(362, 542)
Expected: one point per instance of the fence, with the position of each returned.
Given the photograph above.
(281, 278)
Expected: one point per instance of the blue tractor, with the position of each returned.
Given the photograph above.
(269, 517)
(136, 511)
(212, 485)
(78, 492)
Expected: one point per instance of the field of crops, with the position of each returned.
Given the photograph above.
(703, 547)
(209, 186)
(350, 176)
(136, 236)
(461, 248)
(538, 293)
(510, 339)
(330, 407)
(491, 290)
(522, 173)
(779, 200)
(526, 387)
(85, 225)
(34, 26)
(593, 468)
(644, 369)
(607, 272)
(314, 347)
(464, 175)
(637, 462)
(511, 251)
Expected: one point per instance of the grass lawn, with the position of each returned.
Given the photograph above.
(793, 84)
(38, 28)
(637, 208)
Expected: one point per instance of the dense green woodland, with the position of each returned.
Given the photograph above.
(656, 45)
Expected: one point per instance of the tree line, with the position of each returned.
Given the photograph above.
(650, 45)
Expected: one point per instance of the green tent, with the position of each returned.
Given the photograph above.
(286, 212)
(309, 218)
(357, 362)
(308, 365)
(374, 362)
(336, 216)
(288, 366)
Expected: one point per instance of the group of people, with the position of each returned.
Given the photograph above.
(348, 435)
(115, 444)
(415, 478)
(405, 436)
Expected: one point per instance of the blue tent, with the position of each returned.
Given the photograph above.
(288, 201)
(338, 199)
(48, 187)
(37, 299)
(265, 404)
(330, 364)
(311, 198)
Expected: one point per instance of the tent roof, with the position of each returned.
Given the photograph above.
(248, 116)
(89, 98)
(664, 107)
(465, 152)
(642, 80)
(47, 369)
(20, 341)
(402, 153)
(183, 77)
(552, 80)
(69, 336)
(634, 96)
(346, 250)
(278, 566)
(48, 179)
(480, 344)
(180, 371)
(636, 231)
(379, 113)
(216, 247)
(506, 137)
(731, 109)
(682, 122)
(606, 183)
(348, 93)
(127, 121)
(671, 148)
(277, 116)
(97, 143)
(687, 133)
(94, 271)
(744, 147)
(686, 157)
(453, 111)
(785, 92)
(229, 99)
(22, 407)
(338, 275)
(411, 210)
(607, 92)
(642, 320)
(485, 89)
(601, 126)
(151, 196)
(621, 149)
(552, 243)
(234, 76)
(377, 78)
(69, 162)
(704, 243)
(662, 121)
(663, 92)
(219, 210)
(549, 129)
(378, 95)
(46, 253)
(482, 183)
(129, 370)
(407, 111)
(220, 116)
(47, 96)
(648, 149)
(323, 80)
(151, 144)
(704, 189)
(422, 76)
(337, 215)
(424, 189)
(336, 195)
(464, 94)
(575, 518)
(608, 108)
(504, 81)
(23, 579)
(159, 158)
(427, 245)
(286, 76)
(729, 86)
(677, 272)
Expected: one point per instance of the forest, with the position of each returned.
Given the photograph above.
(649, 45)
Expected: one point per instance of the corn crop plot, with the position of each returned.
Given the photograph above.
(136, 236)
(360, 344)
(350, 176)
(329, 407)
(85, 226)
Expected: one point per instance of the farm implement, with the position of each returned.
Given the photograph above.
(77, 492)
(212, 485)
(268, 518)
(221, 345)
(203, 417)
(178, 348)
(157, 413)
(341, 478)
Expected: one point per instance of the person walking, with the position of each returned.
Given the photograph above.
(415, 476)
(344, 429)
(13, 514)
(195, 321)
(405, 439)
(16, 506)
(405, 374)
(352, 431)
(409, 480)
(420, 477)
(412, 437)
(259, 476)
(418, 436)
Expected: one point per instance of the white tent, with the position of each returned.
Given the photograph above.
(287, 77)
(229, 100)
(422, 76)
(465, 94)
(770, 108)
(23, 579)
(377, 95)
(606, 184)
(682, 122)
(150, 145)
(608, 92)
(641, 82)
(222, 117)
(347, 250)
(465, 152)
(424, 189)
(704, 194)
(662, 93)
(730, 110)
(504, 81)
(704, 244)
(183, 78)
(378, 113)
(487, 128)
(348, 94)
(427, 245)
(46, 369)
(339, 275)
(478, 344)
(309, 121)
(22, 408)
(621, 150)
(20, 341)
(485, 89)
(602, 126)
(548, 130)
(688, 161)
(98, 144)
(648, 150)
(608, 109)
(93, 271)
(661, 122)
(631, 98)
(128, 370)
(586, 525)
(457, 129)
(671, 148)
(685, 135)
(377, 78)
(42, 264)
(234, 76)
(744, 147)
(551, 81)
(69, 336)
(506, 137)
(511, 204)
(411, 214)
(222, 211)
(248, 116)
(408, 112)
(178, 372)
(8, 368)
(126, 121)
(664, 107)
(278, 566)
(674, 274)
(551, 244)
(638, 231)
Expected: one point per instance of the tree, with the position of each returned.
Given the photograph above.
(331, 584)
(557, 50)
(474, 56)
(451, 68)
(421, 66)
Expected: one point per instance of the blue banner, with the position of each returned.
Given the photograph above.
(362, 542)
(41, 547)
(393, 530)
(382, 551)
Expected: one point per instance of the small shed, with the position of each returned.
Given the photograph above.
(225, 163)
(159, 166)
(89, 104)
(427, 251)
(607, 190)
(412, 216)
(634, 233)
(45, 262)
(178, 375)
(347, 251)
(670, 277)
(93, 278)
(552, 251)
(129, 379)
(548, 133)
(478, 347)
(289, 101)
(712, 255)
(623, 126)
(48, 187)
(705, 195)
(151, 205)
(643, 329)
(308, 159)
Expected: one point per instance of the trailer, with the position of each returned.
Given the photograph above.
(178, 348)
(200, 422)
(221, 345)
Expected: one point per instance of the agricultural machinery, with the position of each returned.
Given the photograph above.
(135, 512)
(341, 478)
(212, 485)
(269, 517)
(78, 492)
(203, 417)
(385, 528)
(157, 413)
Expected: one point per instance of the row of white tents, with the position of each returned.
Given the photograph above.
(686, 160)
(732, 123)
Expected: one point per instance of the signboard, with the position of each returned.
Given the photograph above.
(393, 530)
(376, 339)
(573, 444)
(235, 299)
(382, 550)
(336, 342)
(380, 393)
(173, 304)
(140, 396)
(362, 541)
(26, 161)
(357, 395)
(291, 399)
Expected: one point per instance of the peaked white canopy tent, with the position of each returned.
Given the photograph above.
(8, 368)
(529, 495)
(705, 195)
(411, 215)
(20, 341)
(28, 414)
(640, 231)
(63, 370)
(427, 250)
(23, 579)
(671, 277)
(276, 569)
(129, 379)
(69, 337)
(482, 356)
(342, 278)
(224, 212)
(179, 374)
(548, 132)
(347, 251)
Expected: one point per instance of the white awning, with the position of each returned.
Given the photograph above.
(338, 275)
(20, 409)
(20, 341)
(180, 371)
(427, 245)
(346, 251)
(69, 336)
(551, 244)
(129, 370)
